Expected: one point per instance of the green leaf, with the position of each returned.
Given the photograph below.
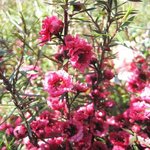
(120, 38)
(2, 52)
(130, 20)
(80, 19)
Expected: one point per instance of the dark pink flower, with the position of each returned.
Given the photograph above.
(46, 144)
(73, 130)
(80, 52)
(135, 85)
(120, 138)
(99, 127)
(46, 125)
(38, 127)
(57, 83)
(86, 142)
(108, 74)
(50, 26)
(99, 146)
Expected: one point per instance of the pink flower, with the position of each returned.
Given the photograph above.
(84, 112)
(99, 127)
(80, 87)
(117, 147)
(73, 130)
(120, 138)
(86, 142)
(108, 74)
(116, 121)
(80, 52)
(143, 139)
(46, 144)
(109, 103)
(3, 126)
(57, 104)
(39, 128)
(50, 26)
(138, 110)
(4, 148)
(139, 76)
(50, 144)
(99, 145)
(31, 71)
(145, 94)
(20, 131)
(136, 128)
(46, 125)
(57, 83)
(91, 79)
(50, 116)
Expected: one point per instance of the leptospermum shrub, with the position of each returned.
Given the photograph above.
(83, 103)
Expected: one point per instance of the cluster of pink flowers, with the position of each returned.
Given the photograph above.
(82, 116)
(140, 76)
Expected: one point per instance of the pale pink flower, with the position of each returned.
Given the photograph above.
(57, 83)
(31, 71)
(123, 60)
(145, 94)
(143, 139)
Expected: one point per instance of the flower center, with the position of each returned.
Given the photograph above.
(58, 83)
(81, 58)
(71, 130)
